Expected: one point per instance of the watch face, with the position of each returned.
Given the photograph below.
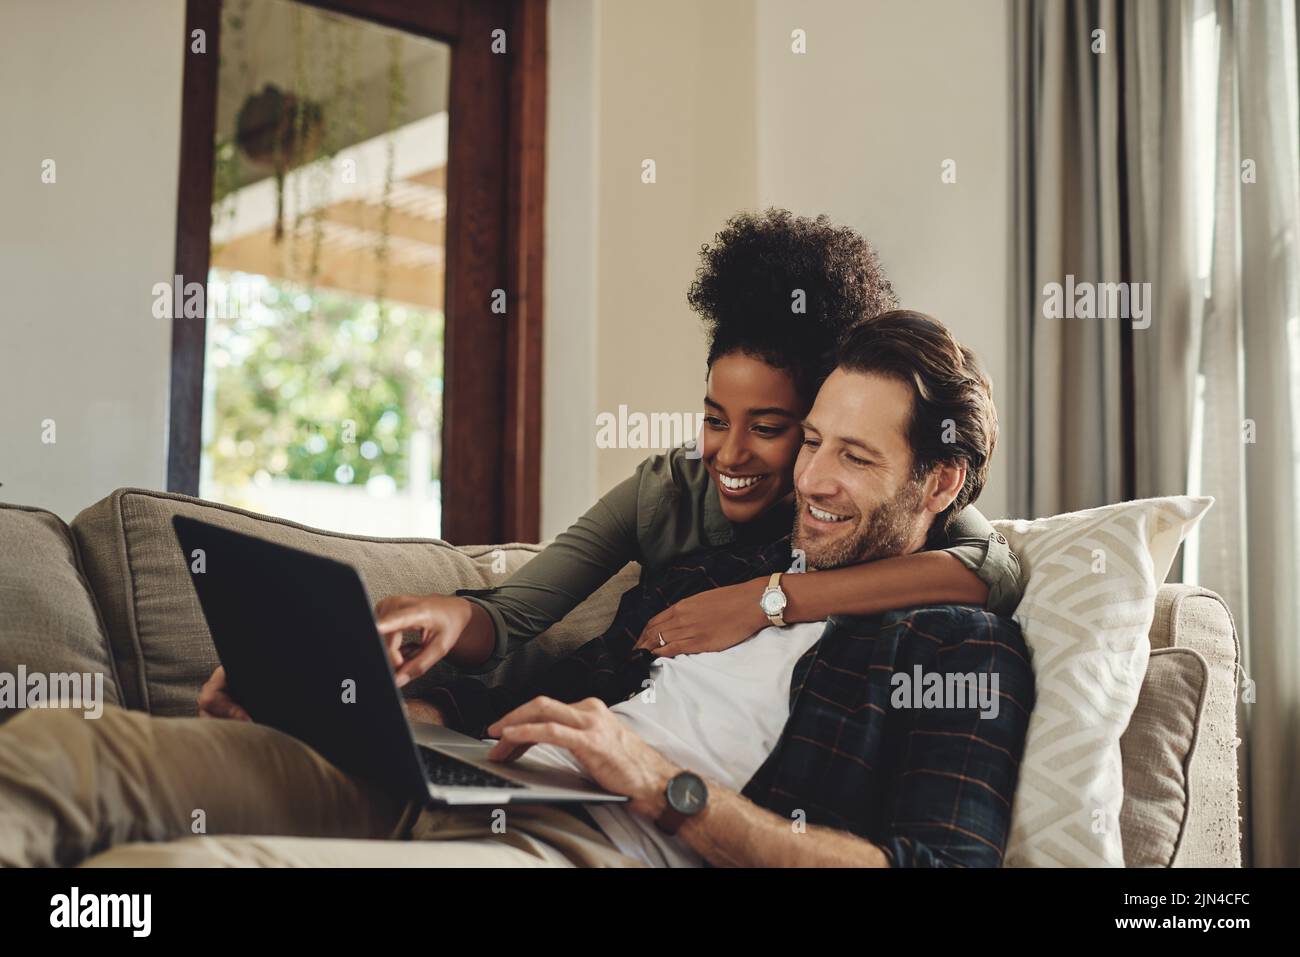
(687, 793)
(773, 602)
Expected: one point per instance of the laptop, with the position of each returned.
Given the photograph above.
(302, 655)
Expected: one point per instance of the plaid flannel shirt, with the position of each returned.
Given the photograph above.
(930, 786)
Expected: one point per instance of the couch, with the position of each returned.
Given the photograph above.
(109, 594)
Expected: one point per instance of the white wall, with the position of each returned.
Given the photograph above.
(856, 127)
(99, 93)
(571, 264)
(673, 82)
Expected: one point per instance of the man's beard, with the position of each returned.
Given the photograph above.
(887, 531)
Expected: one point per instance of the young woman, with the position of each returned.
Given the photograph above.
(776, 292)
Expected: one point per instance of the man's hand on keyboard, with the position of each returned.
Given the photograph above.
(613, 755)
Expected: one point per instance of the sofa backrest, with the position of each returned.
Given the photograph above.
(156, 628)
(50, 626)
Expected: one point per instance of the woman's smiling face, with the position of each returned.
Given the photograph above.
(751, 435)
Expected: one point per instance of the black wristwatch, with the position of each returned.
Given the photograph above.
(686, 795)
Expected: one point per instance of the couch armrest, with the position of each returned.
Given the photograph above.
(1191, 617)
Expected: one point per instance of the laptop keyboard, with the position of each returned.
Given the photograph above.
(450, 772)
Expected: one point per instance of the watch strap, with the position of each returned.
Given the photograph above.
(670, 820)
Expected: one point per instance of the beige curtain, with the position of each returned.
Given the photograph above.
(1066, 388)
(1107, 182)
(1162, 230)
(1105, 193)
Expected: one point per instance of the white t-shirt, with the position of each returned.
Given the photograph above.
(718, 714)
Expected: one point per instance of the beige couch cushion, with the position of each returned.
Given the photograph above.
(48, 619)
(1158, 746)
(158, 634)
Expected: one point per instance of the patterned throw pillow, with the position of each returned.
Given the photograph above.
(1090, 588)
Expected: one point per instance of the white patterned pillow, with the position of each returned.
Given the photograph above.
(1090, 588)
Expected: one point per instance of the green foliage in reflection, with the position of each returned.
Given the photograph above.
(326, 387)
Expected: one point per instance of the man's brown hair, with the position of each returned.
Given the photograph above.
(953, 416)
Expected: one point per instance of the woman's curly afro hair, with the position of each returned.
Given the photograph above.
(747, 290)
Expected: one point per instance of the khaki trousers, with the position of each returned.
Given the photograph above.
(232, 793)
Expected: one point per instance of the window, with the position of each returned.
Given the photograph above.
(1205, 71)
(357, 196)
(323, 377)
(1205, 76)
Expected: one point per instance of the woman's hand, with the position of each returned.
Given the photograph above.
(439, 619)
(710, 621)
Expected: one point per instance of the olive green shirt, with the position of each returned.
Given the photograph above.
(667, 509)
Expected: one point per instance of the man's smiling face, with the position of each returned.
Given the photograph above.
(857, 499)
